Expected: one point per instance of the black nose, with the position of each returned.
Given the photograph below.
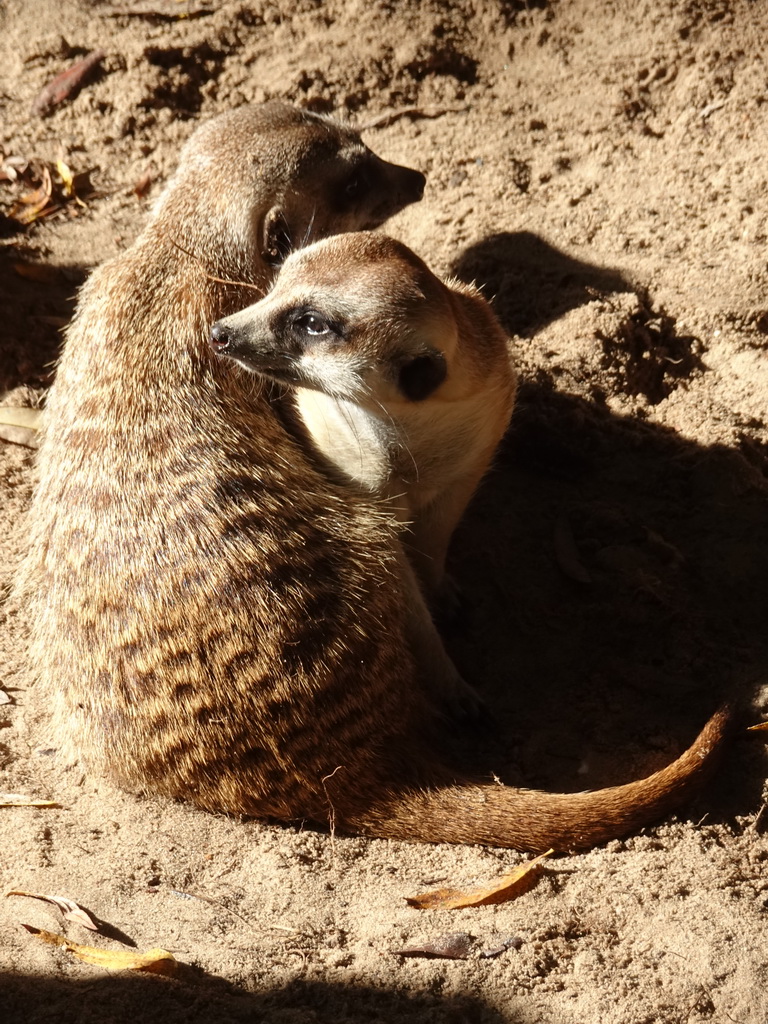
(415, 184)
(221, 338)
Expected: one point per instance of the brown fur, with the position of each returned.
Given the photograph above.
(214, 619)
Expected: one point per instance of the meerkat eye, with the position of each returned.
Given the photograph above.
(356, 185)
(312, 323)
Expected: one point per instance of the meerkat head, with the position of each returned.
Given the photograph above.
(335, 184)
(356, 316)
(283, 178)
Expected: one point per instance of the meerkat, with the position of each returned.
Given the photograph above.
(214, 618)
(403, 382)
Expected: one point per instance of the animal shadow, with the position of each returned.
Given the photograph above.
(615, 572)
(194, 996)
(38, 300)
(529, 281)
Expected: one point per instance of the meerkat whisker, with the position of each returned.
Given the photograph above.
(211, 277)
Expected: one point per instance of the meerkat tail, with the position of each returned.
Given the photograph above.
(535, 821)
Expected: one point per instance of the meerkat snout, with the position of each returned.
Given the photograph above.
(390, 187)
(256, 350)
(412, 185)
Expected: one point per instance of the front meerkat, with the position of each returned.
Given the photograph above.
(404, 382)
(212, 616)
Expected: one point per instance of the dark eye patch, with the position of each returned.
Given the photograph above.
(422, 376)
(355, 188)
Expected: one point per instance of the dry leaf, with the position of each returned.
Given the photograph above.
(20, 426)
(66, 175)
(142, 186)
(5, 698)
(12, 167)
(165, 9)
(59, 186)
(760, 727)
(70, 910)
(69, 179)
(34, 204)
(42, 272)
(507, 888)
(154, 961)
(43, 191)
(21, 416)
(513, 942)
(66, 84)
(19, 800)
(454, 946)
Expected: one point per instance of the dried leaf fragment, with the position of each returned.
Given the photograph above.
(760, 727)
(34, 204)
(69, 180)
(507, 888)
(55, 186)
(20, 425)
(67, 83)
(453, 946)
(12, 167)
(41, 272)
(42, 191)
(169, 10)
(20, 800)
(154, 961)
(70, 910)
(142, 186)
(5, 698)
(66, 175)
(513, 942)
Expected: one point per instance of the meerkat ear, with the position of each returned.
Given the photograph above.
(276, 244)
(422, 376)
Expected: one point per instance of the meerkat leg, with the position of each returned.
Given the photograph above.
(429, 536)
(435, 668)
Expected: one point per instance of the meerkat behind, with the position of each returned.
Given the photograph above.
(213, 617)
(404, 382)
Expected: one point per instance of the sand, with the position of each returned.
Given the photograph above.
(600, 169)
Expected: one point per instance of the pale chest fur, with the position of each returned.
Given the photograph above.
(409, 452)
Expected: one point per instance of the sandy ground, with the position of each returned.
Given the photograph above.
(599, 167)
